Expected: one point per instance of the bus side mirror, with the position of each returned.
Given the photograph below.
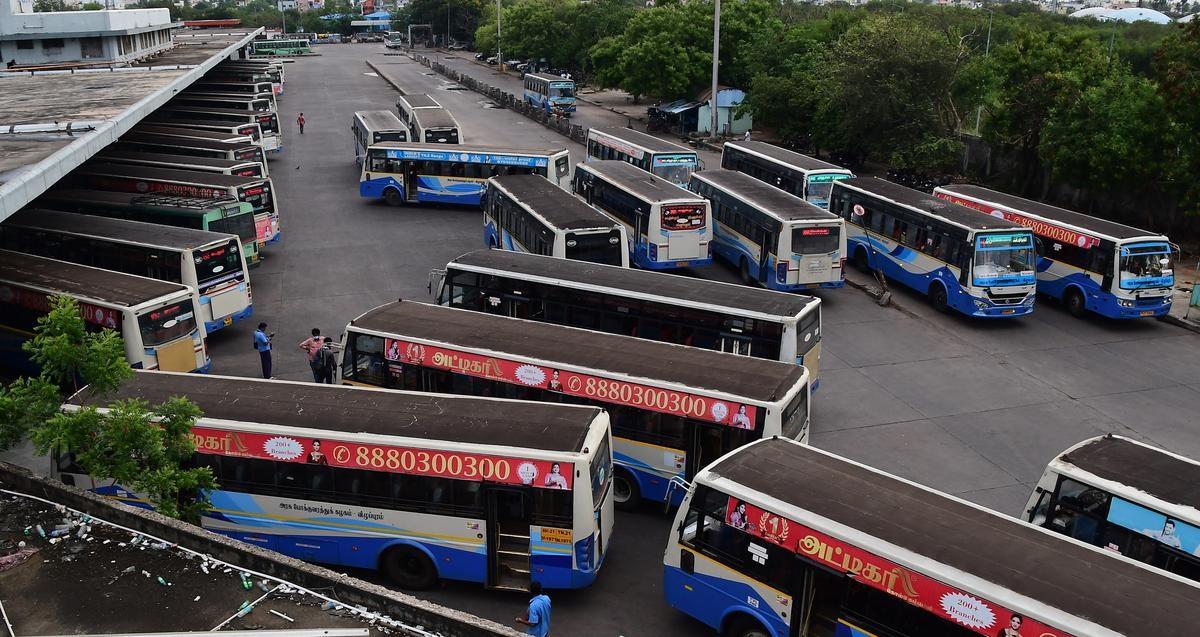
(687, 561)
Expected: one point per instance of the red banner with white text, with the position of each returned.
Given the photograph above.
(39, 302)
(1040, 228)
(964, 609)
(665, 401)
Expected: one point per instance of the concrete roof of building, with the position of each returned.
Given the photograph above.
(53, 121)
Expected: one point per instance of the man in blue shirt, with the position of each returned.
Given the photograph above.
(262, 343)
(537, 618)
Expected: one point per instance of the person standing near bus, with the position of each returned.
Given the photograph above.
(537, 618)
(262, 343)
(300, 123)
(327, 361)
(312, 347)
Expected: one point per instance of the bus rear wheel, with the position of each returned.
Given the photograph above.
(1075, 302)
(392, 197)
(626, 493)
(860, 260)
(745, 271)
(409, 568)
(745, 627)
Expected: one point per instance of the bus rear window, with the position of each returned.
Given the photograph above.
(682, 217)
(218, 262)
(597, 247)
(242, 225)
(795, 416)
(601, 471)
(167, 323)
(815, 239)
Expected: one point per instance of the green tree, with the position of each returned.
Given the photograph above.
(41, 6)
(665, 51)
(1178, 69)
(92, 6)
(23, 404)
(68, 353)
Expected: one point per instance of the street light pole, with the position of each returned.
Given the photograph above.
(712, 132)
(987, 49)
(447, 23)
(499, 57)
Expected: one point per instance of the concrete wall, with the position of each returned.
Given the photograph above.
(59, 22)
(740, 125)
(348, 590)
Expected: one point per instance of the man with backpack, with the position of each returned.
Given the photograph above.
(327, 357)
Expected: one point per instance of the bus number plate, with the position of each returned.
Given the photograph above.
(1147, 313)
(228, 320)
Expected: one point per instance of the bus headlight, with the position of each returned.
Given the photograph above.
(981, 304)
(1029, 300)
(1124, 303)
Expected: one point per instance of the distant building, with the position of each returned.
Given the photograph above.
(80, 37)
(286, 5)
(728, 121)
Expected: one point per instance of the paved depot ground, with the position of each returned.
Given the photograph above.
(972, 408)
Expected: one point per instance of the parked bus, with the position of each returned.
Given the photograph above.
(402, 173)
(280, 46)
(550, 92)
(672, 162)
(525, 213)
(668, 227)
(1089, 264)
(674, 409)
(434, 126)
(978, 265)
(245, 168)
(775, 239)
(158, 143)
(213, 215)
(258, 102)
(407, 104)
(155, 319)
(372, 127)
(247, 71)
(206, 85)
(1124, 496)
(210, 264)
(806, 177)
(191, 133)
(419, 486)
(198, 116)
(237, 128)
(649, 305)
(256, 191)
(780, 539)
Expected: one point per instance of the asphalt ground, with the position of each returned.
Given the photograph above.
(973, 408)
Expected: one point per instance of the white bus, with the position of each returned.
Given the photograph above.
(420, 486)
(674, 409)
(650, 305)
(1089, 264)
(211, 264)
(147, 142)
(406, 105)
(527, 213)
(668, 227)
(1124, 496)
(155, 319)
(778, 539)
(234, 168)
(372, 127)
(260, 102)
(653, 155)
(775, 239)
(806, 177)
(435, 126)
(269, 134)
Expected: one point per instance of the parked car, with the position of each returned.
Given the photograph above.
(480, 56)
(491, 61)
(458, 47)
(512, 64)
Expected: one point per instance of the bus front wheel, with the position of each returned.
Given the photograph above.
(626, 493)
(745, 627)
(409, 568)
(1076, 304)
(392, 197)
(745, 271)
(937, 297)
(860, 260)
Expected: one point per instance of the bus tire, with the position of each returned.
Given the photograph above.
(626, 493)
(744, 267)
(1075, 302)
(744, 626)
(392, 197)
(860, 260)
(937, 297)
(408, 567)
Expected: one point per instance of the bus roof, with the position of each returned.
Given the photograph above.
(151, 234)
(380, 120)
(183, 142)
(950, 536)
(460, 149)
(168, 130)
(767, 198)
(419, 100)
(1084, 222)
(783, 155)
(471, 420)
(76, 196)
(639, 182)
(1159, 474)
(754, 378)
(210, 96)
(168, 108)
(548, 201)
(642, 140)
(433, 117)
(55, 276)
(627, 282)
(952, 212)
(165, 174)
(166, 158)
(549, 78)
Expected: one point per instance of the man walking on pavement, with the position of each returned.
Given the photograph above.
(537, 618)
(312, 347)
(300, 123)
(327, 356)
(262, 343)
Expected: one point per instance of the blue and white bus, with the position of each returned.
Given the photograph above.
(775, 239)
(420, 486)
(1089, 264)
(653, 155)
(525, 213)
(401, 173)
(667, 226)
(806, 177)
(979, 265)
(550, 92)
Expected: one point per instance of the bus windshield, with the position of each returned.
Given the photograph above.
(815, 240)
(819, 187)
(674, 168)
(216, 263)
(241, 224)
(167, 323)
(1003, 259)
(1146, 265)
(562, 89)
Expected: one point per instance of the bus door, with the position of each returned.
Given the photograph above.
(734, 339)
(711, 441)
(509, 513)
(817, 594)
(769, 242)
